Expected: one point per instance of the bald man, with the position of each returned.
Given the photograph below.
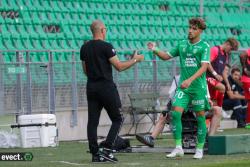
(98, 57)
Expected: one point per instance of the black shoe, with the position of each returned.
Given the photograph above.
(98, 159)
(241, 125)
(107, 154)
(102, 158)
(147, 140)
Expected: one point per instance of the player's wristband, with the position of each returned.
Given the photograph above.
(214, 73)
(156, 50)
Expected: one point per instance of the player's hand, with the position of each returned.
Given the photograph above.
(210, 102)
(219, 77)
(185, 84)
(151, 45)
(138, 57)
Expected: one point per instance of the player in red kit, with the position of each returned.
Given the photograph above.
(219, 57)
(245, 79)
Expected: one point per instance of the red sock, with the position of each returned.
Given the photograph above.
(248, 113)
(220, 97)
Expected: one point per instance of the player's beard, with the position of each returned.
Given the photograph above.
(190, 37)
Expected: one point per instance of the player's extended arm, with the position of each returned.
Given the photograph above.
(233, 95)
(121, 66)
(161, 54)
(186, 83)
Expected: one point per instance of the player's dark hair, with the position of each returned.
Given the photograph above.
(235, 69)
(233, 42)
(199, 22)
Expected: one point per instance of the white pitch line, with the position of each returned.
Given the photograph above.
(134, 164)
(70, 163)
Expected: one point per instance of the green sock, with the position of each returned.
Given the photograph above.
(178, 142)
(247, 126)
(177, 127)
(202, 131)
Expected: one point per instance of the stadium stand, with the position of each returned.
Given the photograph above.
(64, 25)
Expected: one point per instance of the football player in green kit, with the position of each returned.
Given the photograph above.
(194, 56)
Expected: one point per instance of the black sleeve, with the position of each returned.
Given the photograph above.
(110, 51)
(82, 53)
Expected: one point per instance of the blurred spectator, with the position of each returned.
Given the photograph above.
(234, 100)
(215, 74)
(245, 79)
(164, 7)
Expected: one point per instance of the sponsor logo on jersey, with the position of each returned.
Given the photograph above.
(198, 102)
(190, 62)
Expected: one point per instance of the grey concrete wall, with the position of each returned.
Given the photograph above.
(79, 132)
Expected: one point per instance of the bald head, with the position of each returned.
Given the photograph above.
(96, 27)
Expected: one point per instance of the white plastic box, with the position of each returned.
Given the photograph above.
(38, 130)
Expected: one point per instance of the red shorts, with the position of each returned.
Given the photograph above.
(211, 83)
(246, 87)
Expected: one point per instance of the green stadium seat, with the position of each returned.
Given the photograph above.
(7, 42)
(6, 5)
(126, 76)
(6, 58)
(27, 44)
(36, 44)
(18, 44)
(62, 7)
(2, 21)
(44, 43)
(34, 57)
(62, 44)
(131, 24)
(68, 56)
(146, 70)
(30, 30)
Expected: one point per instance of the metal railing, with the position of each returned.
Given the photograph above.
(51, 81)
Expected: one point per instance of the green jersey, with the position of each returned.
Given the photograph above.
(191, 57)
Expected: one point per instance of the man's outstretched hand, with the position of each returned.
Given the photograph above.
(138, 57)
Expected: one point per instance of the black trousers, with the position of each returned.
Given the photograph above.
(238, 107)
(103, 95)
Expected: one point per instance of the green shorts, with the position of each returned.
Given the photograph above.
(196, 99)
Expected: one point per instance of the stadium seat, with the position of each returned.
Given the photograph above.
(130, 24)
